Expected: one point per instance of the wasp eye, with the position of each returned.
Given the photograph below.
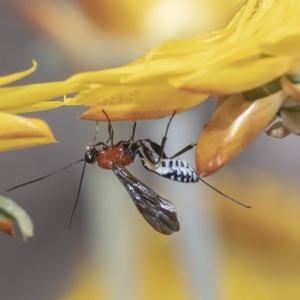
(91, 155)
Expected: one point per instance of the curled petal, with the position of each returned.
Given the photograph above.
(136, 103)
(233, 126)
(6, 226)
(17, 132)
(16, 76)
(9, 210)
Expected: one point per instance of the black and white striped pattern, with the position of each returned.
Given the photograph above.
(178, 170)
(174, 169)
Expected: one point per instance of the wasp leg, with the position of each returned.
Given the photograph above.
(148, 154)
(185, 149)
(96, 133)
(110, 129)
(157, 148)
(133, 131)
(135, 146)
(164, 140)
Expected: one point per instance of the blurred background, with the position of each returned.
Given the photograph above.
(222, 251)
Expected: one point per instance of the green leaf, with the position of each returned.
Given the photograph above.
(9, 210)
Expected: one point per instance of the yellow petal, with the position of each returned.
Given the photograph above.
(109, 76)
(288, 46)
(16, 76)
(241, 57)
(36, 107)
(235, 78)
(12, 98)
(17, 132)
(137, 103)
(233, 126)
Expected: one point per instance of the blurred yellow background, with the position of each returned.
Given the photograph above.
(223, 251)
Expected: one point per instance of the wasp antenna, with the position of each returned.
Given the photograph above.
(77, 198)
(41, 178)
(110, 129)
(226, 196)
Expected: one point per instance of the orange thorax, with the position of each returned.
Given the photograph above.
(110, 157)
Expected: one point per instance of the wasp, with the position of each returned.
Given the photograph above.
(157, 211)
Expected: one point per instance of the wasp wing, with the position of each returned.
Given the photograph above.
(157, 211)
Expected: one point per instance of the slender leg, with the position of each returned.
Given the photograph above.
(148, 154)
(157, 148)
(133, 131)
(185, 149)
(110, 129)
(96, 133)
(164, 140)
(139, 143)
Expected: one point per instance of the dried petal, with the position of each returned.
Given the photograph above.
(277, 131)
(9, 210)
(6, 226)
(290, 88)
(233, 126)
(291, 120)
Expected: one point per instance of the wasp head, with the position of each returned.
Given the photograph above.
(90, 154)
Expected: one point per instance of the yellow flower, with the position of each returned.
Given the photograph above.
(18, 132)
(256, 57)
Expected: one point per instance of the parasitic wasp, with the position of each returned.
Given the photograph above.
(157, 211)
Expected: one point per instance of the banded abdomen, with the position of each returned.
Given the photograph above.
(174, 169)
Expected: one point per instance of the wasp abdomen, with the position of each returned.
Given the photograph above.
(174, 169)
(178, 170)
